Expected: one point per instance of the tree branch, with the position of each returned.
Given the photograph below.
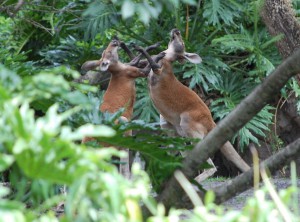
(248, 108)
(19, 5)
(245, 180)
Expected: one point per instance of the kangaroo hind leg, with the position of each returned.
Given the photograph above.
(196, 130)
(164, 124)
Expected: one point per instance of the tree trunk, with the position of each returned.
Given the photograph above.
(279, 17)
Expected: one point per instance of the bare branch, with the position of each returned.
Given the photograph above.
(19, 5)
(245, 180)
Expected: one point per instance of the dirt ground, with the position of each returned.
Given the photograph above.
(239, 201)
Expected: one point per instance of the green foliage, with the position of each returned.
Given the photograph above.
(98, 17)
(126, 208)
(144, 108)
(257, 208)
(205, 74)
(216, 11)
(159, 151)
(44, 115)
(147, 10)
(252, 46)
(10, 54)
(294, 87)
(250, 55)
(70, 52)
(233, 89)
(41, 153)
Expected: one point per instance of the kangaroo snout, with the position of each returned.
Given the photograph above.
(115, 42)
(105, 63)
(175, 32)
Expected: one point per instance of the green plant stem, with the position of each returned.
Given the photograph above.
(196, 19)
(239, 70)
(282, 209)
(210, 36)
(238, 63)
(255, 167)
(294, 179)
(233, 56)
(25, 41)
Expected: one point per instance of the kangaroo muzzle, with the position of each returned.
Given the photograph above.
(115, 42)
(175, 32)
(176, 42)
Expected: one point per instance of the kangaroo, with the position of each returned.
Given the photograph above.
(121, 88)
(181, 108)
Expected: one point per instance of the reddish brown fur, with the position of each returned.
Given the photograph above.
(180, 107)
(121, 89)
(170, 96)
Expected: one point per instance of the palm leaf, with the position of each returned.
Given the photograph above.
(99, 17)
(217, 11)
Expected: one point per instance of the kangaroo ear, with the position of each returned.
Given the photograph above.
(90, 65)
(192, 57)
(104, 64)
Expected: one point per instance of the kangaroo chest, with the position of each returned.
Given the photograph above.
(164, 99)
(118, 96)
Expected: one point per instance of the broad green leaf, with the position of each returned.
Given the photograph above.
(5, 161)
(190, 2)
(128, 9)
(87, 130)
(9, 79)
(3, 191)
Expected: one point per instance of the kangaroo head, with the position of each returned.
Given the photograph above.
(110, 55)
(176, 49)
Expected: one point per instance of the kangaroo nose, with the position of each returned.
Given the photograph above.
(115, 42)
(175, 32)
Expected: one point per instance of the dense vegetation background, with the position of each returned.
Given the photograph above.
(44, 113)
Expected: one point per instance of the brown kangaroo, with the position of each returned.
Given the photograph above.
(121, 89)
(181, 108)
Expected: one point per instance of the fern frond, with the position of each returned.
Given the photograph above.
(216, 11)
(99, 17)
(258, 125)
(204, 74)
(234, 88)
(236, 42)
(143, 107)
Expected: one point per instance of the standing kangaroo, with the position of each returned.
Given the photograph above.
(181, 108)
(121, 89)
